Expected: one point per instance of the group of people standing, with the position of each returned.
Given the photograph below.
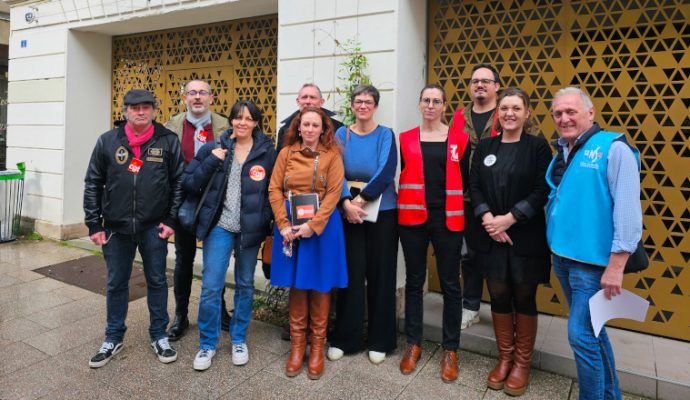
(482, 191)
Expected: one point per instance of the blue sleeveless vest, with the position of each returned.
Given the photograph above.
(579, 213)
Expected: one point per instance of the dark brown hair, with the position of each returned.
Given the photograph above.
(531, 125)
(327, 138)
(433, 86)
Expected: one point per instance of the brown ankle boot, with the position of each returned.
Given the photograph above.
(298, 308)
(525, 335)
(319, 304)
(505, 341)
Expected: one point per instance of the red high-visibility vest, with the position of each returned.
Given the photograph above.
(411, 202)
(459, 121)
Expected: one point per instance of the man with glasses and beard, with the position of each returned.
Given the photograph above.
(479, 121)
(194, 127)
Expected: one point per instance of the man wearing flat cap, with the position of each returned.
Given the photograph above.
(131, 196)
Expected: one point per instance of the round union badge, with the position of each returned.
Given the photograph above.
(490, 160)
(257, 173)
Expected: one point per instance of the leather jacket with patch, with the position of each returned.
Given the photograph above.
(126, 202)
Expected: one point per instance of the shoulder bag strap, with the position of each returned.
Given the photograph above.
(316, 166)
(208, 186)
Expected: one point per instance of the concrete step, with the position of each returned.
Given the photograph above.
(647, 365)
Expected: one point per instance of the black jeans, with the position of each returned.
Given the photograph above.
(447, 246)
(185, 250)
(473, 281)
(372, 254)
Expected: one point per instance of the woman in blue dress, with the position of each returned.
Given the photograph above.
(311, 259)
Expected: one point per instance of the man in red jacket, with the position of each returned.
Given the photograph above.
(194, 127)
(479, 122)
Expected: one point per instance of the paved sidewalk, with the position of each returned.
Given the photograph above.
(49, 330)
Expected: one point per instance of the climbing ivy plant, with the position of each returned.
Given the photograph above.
(352, 72)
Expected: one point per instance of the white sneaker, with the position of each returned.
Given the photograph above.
(469, 318)
(203, 358)
(377, 357)
(240, 354)
(334, 353)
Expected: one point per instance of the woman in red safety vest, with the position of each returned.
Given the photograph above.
(434, 166)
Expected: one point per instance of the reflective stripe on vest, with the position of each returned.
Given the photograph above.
(411, 197)
(411, 186)
(411, 207)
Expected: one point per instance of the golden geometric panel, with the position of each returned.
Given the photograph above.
(238, 58)
(220, 78)
(633, 58)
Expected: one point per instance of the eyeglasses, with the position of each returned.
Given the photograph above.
(436, 102)
(475, 82)
(199, 92)
(368, 103)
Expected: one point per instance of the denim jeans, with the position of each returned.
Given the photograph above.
(218, 246)
(596, 367)
(119, 255)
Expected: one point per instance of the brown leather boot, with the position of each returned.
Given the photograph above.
(449, 366)
(319, 304)
(298, 309)
(505, 341)
(409, 361)
(525, 335)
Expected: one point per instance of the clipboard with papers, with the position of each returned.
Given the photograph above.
(372, 207)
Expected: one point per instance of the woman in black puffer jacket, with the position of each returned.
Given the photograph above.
(235, 215)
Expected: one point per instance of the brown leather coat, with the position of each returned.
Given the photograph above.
(294, 171)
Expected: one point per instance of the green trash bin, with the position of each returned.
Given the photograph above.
(11, 196)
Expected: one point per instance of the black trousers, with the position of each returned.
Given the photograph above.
(473, 281)
(447, 246)
(372, 256)
(185, 251)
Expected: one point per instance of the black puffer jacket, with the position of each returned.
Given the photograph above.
(255, 215)
(124, 202)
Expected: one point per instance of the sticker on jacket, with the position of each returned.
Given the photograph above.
(135, 166)
(257, 173)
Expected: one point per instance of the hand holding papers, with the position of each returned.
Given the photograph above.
(625, 305)
(372, 207)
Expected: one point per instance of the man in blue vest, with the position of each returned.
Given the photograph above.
(594, 223)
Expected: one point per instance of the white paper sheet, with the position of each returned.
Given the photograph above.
(625, 305)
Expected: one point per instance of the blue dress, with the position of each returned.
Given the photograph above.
(317, 263)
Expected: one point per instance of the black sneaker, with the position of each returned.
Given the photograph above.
(225, 320)
(165, 353)
(105, 353)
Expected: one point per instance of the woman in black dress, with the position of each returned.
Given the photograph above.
(508, 193)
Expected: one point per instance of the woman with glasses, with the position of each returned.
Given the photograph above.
(371, 239)
(508, 195)
(434, 167)
(311, 259)
(235, 215)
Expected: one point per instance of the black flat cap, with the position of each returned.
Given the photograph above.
(139, 96)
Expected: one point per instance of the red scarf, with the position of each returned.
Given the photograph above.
(135, 141)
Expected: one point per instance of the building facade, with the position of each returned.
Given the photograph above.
(72, 61)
